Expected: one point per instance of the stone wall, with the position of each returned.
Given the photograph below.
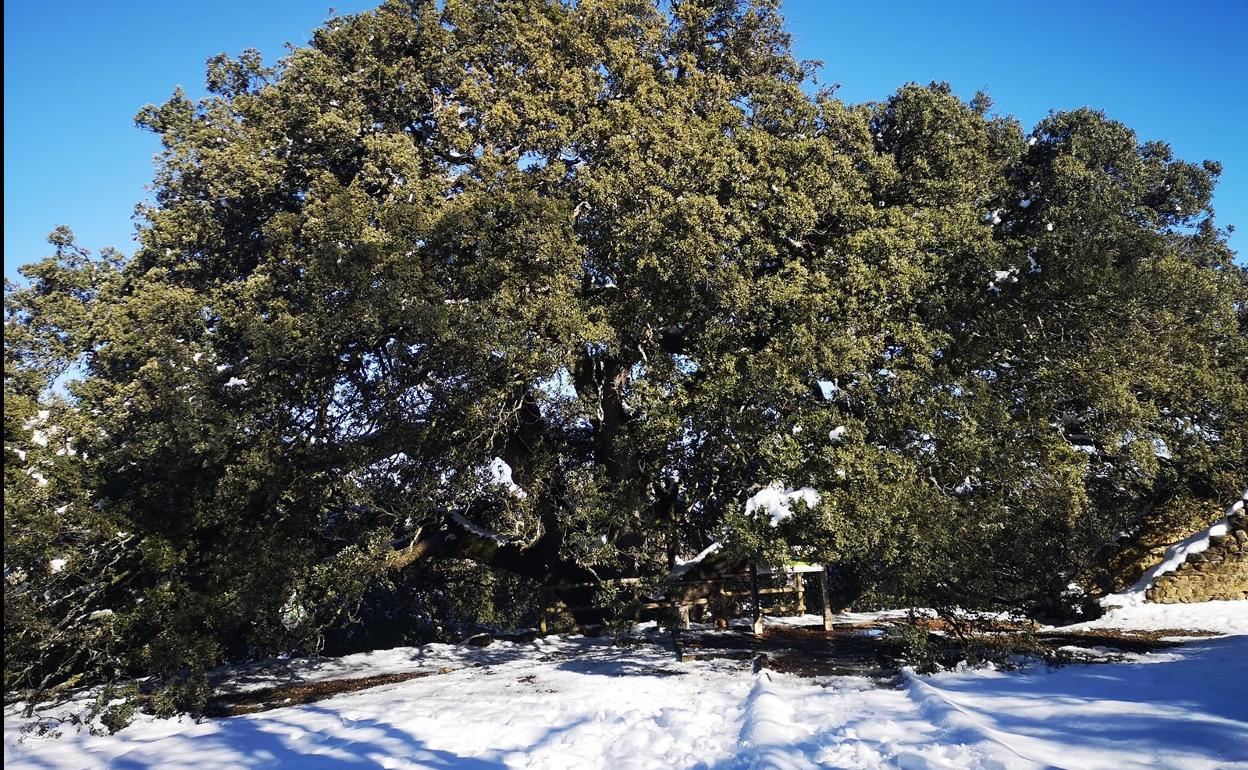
(1221, 572)
(1123, 564)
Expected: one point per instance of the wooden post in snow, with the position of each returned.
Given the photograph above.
(543, 622)
(801, 593)
(758, 606)
(719, 608)
(827, 603)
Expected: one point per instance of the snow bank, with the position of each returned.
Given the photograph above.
(1180, 711)
(969, 727)
(1218, 617)
(769, 727)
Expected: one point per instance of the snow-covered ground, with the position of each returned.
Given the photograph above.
(576, 703)
(1217, 617)
(1184, 708)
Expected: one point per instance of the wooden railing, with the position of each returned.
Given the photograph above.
(794, 584)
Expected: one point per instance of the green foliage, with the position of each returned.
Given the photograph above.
(916, 647)
(478, 288)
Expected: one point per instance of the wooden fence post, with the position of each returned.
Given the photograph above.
(801, 593)
(827, 604)
(718, 606)
(758, 605)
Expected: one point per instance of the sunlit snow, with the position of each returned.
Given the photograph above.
(776, 501)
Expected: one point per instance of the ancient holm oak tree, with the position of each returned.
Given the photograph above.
(554, 288)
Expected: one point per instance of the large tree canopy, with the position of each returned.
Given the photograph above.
(555, 287)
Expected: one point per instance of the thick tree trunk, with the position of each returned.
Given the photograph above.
(602, 378)
(451, 539)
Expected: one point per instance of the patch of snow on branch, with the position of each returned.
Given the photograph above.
(999, 277)
(292, 614)
(38, 419)
(477, 530)
(684, 565)
(500, 475)
(776, 501)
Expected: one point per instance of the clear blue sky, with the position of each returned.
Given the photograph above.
(75, 72)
